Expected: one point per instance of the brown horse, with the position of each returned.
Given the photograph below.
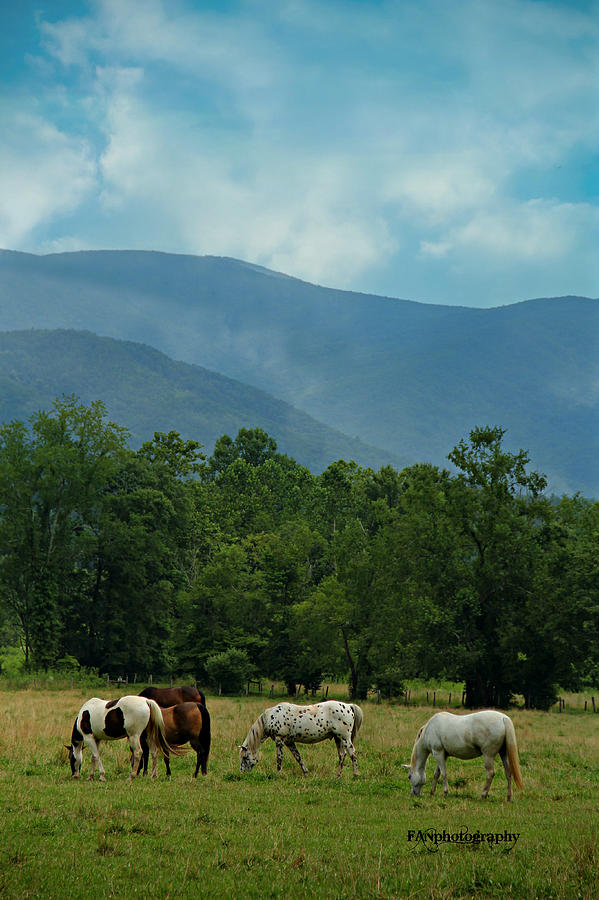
(182, 723)
(171, 696)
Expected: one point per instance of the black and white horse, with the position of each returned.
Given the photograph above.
(129, 717)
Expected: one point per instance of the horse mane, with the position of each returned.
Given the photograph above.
(418, 736)
(255, 735)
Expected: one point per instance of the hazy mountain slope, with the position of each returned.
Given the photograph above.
(411, 378)
(146, 391)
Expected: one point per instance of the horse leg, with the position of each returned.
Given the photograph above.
(441, 770)
(279, 743)
(96, 761)
(136, 755)
(508, 771)
(490, 767)
(352, 755)
(201, 759)
(341, 751)
(295, 753)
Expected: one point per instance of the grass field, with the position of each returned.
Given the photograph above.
(265, 834)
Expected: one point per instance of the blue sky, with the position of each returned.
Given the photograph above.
(438, 151)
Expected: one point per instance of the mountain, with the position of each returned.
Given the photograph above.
(408, 377)
(146, 391)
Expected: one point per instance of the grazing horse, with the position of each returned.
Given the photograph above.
(286, 723)
(129, 717)
(171, 696)
(484, 733)
(182, 723)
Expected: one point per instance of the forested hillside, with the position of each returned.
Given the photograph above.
(147, 392)
(245, 563)
(410, 378)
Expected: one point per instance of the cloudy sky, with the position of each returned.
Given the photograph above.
(437, 150)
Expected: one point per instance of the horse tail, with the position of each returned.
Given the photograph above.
(357, 720)
(157, 731)
(512, 752)
(205, 735)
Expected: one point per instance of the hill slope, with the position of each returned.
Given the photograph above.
(408, 377)
(146, 391)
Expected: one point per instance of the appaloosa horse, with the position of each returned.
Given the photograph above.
(484, 733)
(129, 717)
(287, 723)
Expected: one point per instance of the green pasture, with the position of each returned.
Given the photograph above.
(266, 835)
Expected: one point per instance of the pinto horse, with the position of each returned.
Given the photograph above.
(484, 733)
(182, 723)
(129, 717)
(287, 723)
(171, 696)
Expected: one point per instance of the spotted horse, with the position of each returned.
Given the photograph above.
(287, 723)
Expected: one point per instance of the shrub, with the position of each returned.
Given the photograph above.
(229, 670)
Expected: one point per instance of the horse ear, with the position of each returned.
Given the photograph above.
(67, 747)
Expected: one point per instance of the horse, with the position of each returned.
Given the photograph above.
(165, 697)
(484, 733)
(182, 723)
(129, 717)
(286, 723)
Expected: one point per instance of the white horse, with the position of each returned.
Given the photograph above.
(484, 733)
(286, 723)
(99, 720)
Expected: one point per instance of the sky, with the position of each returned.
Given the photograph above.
(445, 152)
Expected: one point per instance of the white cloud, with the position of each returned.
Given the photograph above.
(43, 173)
(539, 230)
(327, 140)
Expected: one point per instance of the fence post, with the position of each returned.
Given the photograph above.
(149, 679)
(427, 698)
(135, 678)
(449, 703)
(108, 681)
(171, 680)
(219, 689)
(247, 689)
(272, 690)
(585, 705)
(593, 701)
(434, 698)
(463, 697)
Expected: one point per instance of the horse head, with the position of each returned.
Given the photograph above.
(247, 759)
(75, 759)
(417, 779)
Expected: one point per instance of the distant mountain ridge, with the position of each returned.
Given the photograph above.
(407, 377)
(146, 391)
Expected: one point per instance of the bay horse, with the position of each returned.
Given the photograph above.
(171, 696)
(287, 723)
(129, 717)
(484, 733)
(182, 723)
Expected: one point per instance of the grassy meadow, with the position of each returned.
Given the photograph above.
(264, 834)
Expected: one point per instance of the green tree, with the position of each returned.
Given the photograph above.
(52, 477)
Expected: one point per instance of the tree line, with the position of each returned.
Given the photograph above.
(244, 563)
